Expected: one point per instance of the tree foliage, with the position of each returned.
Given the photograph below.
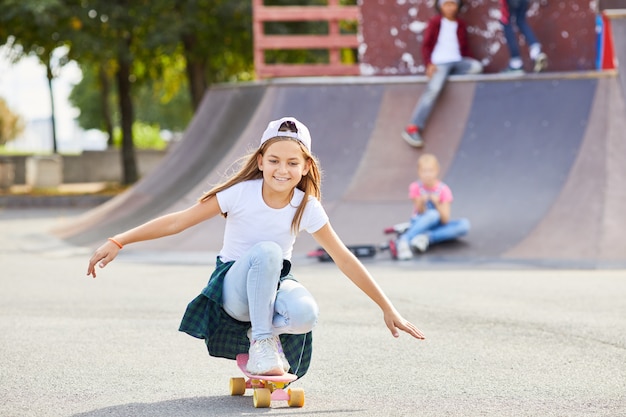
(37, 28)
(146, 60)
(11, 125)
(155, 103)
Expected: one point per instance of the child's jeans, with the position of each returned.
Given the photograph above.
(435, 85)
(517, 16)
(252, 293)
(429, 223)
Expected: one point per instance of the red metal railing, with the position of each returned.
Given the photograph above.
(334, 41)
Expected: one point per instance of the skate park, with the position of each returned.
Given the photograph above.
(524, 316)
(528, 147)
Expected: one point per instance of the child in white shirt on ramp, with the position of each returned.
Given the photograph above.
(445, 51)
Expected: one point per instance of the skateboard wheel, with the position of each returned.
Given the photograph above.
(262, 398)
(296, 397)
(237, 386)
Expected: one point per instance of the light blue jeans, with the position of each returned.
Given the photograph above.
(429, 223)
(435, 85)
(252, 293)
(517, 12)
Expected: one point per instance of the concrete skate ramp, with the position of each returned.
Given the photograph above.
(535, 163)
(230, 122)
(205, 143)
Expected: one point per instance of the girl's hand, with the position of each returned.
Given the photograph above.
(395, 321)
(420, 203)
(103, 255)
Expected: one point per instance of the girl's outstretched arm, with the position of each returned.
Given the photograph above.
(166, 225)
(354, 269)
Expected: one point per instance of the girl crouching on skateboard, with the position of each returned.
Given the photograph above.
(252, 302)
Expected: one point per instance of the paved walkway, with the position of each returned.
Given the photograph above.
(521, 342)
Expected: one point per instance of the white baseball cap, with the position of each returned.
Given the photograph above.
(301, 131)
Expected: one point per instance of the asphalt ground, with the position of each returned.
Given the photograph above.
(500, 342)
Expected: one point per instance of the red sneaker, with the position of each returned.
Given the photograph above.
(412, 136)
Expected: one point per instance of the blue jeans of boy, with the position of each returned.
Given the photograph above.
(517, 16)
(429, 223)
(435, 85)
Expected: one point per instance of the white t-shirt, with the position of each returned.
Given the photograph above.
(250, 220)
(447, 48)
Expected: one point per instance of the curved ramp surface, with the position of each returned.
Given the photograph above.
(536, 163)
(204, 144)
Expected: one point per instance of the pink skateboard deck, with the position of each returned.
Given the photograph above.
(242, 361)
(267, 388)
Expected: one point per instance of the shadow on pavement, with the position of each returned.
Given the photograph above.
(200, 406)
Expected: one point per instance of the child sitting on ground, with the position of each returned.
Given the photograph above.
(430, 222)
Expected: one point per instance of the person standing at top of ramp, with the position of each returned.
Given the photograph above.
(514, 12)
(252, 303)
(432, 200)
(445, 51)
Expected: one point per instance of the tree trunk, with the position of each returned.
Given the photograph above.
(104, 98)
(129, 163)
(195, 68)
(52, 115)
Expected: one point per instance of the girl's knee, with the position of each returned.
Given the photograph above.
(432, 215)
(267, 259)
(296, 309)
(304, 316)
(464, 226)
(269, 251)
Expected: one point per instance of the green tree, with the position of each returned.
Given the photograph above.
(121, 38)
(37, 28)
(137, 46)
(216, 38)
(11, 124)
(155, 104)
(200, 42)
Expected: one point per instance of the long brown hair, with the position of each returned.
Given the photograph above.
(310, 183)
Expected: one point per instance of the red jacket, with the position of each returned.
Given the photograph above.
(504, 11)
(432, 33)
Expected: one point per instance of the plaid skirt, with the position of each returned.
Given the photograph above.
(226, 337)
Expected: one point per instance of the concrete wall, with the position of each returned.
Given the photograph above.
(93, 166)
(392, 33)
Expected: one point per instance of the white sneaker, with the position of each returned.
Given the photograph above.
(264, 358)
(541, 62)
(420, 242)
(404, 250)
(281, 355)
(534, 50)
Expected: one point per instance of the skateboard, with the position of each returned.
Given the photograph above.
(360, 251)
(267, 388)
(367, 251)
